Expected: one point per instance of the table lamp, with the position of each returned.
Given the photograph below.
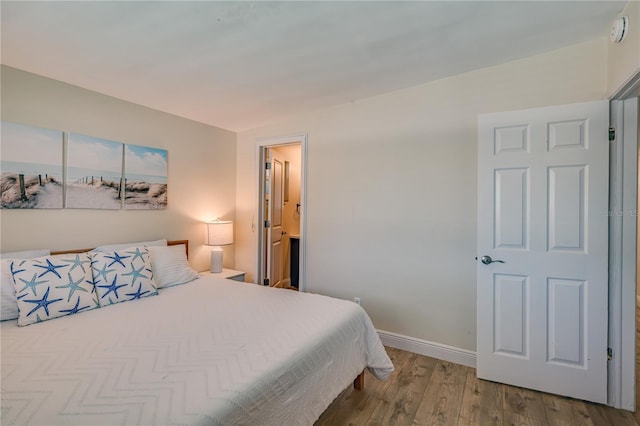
(219, 233)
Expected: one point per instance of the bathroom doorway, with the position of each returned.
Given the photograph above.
(281, 213)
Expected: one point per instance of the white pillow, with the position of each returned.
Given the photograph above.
(53, 286)
(8, 304)
(122, 275)
(27, 254)
(170, 266)
(114, 247)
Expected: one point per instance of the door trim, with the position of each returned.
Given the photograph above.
(629, 89)
(623, 192)
(261, 147)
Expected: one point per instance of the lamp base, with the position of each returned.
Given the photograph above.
(216, 260)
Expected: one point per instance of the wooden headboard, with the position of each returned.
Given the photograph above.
(169, 243)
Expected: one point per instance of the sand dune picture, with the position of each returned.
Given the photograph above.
(98, 173)
(94, 173)
(145, 171)
(30, 167)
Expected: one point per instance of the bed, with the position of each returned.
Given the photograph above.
(210, 351)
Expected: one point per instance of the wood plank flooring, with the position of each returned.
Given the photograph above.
(427, 391)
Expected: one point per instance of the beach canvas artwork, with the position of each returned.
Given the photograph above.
(145, 171)
(31, 167)
(94, 173)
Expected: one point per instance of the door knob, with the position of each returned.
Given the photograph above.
(488, 260)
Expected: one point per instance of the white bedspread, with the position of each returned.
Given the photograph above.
(212, 351)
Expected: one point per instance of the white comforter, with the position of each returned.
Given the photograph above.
(212, 351)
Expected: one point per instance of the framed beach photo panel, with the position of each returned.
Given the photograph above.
(94, 173)
(145, 178)
(30, 166)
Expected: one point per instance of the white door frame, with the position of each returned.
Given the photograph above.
(623, 199)
(261, 147)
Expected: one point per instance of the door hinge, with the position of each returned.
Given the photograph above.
(609, 354)
(267, 224)
(267, 166)
(266, 281)
(612, 134)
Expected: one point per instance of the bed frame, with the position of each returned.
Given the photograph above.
(169, 243)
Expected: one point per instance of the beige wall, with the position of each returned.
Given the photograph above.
(391, 187)
(201, 170)
(623, 59)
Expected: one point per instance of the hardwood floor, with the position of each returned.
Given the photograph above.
(427, 391)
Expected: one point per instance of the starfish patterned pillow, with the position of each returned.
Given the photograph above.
(8, 304)
(122, 275)
(53, 286)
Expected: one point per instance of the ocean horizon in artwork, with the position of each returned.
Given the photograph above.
(77, 174)
(146, 178)
(31, 167)
(17, 167)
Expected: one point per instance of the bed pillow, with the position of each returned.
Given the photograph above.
(53, 286)
(122, 275)
(8, 304)
(26, 254)
(114, 247)
(170, 266)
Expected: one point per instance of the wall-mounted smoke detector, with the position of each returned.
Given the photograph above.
(619, 29)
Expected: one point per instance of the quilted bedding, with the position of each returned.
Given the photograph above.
(213, 351)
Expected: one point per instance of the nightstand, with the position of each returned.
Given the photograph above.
(228, 274)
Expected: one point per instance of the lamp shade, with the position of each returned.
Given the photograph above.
(219, 233)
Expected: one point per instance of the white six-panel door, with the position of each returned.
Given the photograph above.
(542, 209)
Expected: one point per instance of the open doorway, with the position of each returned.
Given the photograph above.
(281, 212)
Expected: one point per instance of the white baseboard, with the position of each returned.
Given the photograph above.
(432, 349)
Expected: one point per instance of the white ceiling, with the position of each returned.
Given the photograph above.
(238, 65)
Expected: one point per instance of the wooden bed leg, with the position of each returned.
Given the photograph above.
(358, 383)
